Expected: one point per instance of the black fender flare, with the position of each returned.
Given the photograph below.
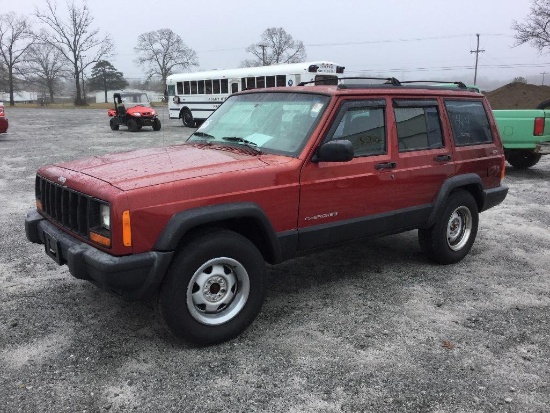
(471, 182)
(185, 221)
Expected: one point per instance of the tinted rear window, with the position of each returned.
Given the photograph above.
(469, 122)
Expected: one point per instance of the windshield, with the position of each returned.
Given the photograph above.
(267, 122)
(135, 99)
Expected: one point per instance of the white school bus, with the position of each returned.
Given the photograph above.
(193, 97)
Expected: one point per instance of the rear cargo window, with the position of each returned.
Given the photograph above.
(469, 122)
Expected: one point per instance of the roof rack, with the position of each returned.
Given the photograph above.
(392, 81)
(388, 80)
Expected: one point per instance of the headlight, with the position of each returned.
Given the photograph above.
(137, 114)
(105, 216)
(153, 113)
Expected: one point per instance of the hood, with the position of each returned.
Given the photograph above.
(142, 110)
(146, 167)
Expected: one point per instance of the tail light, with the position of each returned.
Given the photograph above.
(538, 129)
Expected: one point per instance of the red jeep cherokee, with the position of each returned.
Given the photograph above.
(271, 174)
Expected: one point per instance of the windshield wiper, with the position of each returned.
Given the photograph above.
(245, 142)
(203, 135)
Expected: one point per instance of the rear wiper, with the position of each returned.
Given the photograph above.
(245, 142)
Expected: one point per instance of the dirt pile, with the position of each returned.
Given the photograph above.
(518, 96)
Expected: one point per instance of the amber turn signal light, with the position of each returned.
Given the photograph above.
(100, 239)
(126, 229)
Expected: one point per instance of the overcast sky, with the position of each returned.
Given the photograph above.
(411, 40)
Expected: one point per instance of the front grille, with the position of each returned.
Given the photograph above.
(74, 210)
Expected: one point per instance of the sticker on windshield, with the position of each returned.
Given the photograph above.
(290, 82)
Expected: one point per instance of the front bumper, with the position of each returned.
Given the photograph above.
(132, 277)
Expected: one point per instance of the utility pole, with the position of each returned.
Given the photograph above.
(543, 73)
(263, 46)
(477, 52)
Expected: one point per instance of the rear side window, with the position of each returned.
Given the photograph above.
(469, 122)
(418, 126)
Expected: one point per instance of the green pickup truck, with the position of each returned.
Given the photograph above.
(525, 135)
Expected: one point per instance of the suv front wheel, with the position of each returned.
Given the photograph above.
(214, 289)
(454, 232)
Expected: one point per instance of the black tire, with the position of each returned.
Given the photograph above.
(132, 125)
(187, 118)
(451, 237)
(522, 159)
(139, 127)
(196, 300)
(156, 125)
(543, 105)
(113, 124)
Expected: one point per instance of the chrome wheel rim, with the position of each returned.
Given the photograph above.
(459, 228)
(218, 291)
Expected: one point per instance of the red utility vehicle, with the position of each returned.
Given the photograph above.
(134, 117)
(271, 174)
(3, 120)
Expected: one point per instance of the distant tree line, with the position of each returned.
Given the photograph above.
(68, 48)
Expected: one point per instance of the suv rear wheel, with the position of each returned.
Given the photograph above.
(453, 234)
(214, 289)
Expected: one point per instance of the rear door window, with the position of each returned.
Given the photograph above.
(469, 122)
(418, 126)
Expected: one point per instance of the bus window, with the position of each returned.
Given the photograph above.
(180, 88)
(260, 82)
(201, 87)
(193, 87)
(270, 81)
(171, 90)
(225, 86)
(250, 82)
(208, 87)
(216, 86)
(234, 87)
(186, 88)
(281, 80)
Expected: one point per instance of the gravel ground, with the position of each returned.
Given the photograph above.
(370, 326)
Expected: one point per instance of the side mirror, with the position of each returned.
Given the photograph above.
(335, 151)
(119, 100)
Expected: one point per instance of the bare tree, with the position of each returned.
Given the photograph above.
(45, 67)
(536, 28)
(161, 51)
(15, 39)
(76, 39)
(275, 46)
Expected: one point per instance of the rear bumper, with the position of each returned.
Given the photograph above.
(132, 277)
(494, 196)
(543, 148)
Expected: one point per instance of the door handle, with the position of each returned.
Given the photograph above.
(386, 165)
(442, 158)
